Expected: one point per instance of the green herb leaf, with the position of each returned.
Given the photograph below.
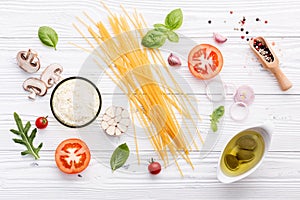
(174, 19)
(161, 28)
(214, 126)
(172, 36)
(215, 117)
(119, 156)
(48, 36)
(154, 39)
(26, 140)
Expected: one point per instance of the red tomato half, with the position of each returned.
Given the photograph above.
(72, 156)
(205, 61)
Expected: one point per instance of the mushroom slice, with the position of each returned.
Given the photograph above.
(35, 87)
(28, 61)
(115, 121)
(52, 75)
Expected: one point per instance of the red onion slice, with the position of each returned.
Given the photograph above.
(244, 94)
(219, 38)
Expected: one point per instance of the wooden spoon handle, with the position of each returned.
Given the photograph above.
(283, 81)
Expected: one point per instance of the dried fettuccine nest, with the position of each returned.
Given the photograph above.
(115, 121)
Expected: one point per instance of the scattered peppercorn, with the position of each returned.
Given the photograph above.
(209, 21)
(247, 39)
(257, 19)
(266, 22)
(231, 12)
(243, 37)
(242, 29)
(247, 32)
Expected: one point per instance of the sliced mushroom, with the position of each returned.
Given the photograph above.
(35, 87)
(28, 61)
(52, 75)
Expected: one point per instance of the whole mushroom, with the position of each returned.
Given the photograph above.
(28, 61)
(52, 75)
(35, 87)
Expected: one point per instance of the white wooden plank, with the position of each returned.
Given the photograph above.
(278, 109)
(22, 18)
(21, 180)
(239, 68)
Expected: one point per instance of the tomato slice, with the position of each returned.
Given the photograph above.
(205, 61)
(72, 156)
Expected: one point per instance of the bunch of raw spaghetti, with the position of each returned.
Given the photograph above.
(138, 71)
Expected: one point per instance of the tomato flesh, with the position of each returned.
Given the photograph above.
(205, 61)
(72, 156)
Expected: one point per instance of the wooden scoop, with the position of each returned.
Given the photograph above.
(273, 65)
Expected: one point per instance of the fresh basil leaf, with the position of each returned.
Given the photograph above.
(162, 29)
(218, 113)
(48, 36)
(214, 126)
(215, 116)
(172, 36)
(174, 19)
(119, 156)
(159, 26)
(154, 39)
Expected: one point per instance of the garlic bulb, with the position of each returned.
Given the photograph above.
(174, 60)
(115, 121)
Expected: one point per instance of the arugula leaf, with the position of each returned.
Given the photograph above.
(48, 36)
(215, 117)
(25, 139)
(172, 36)
(119, 156)
(174, 19)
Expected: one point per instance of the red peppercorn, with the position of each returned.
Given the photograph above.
(231, 12)
(243, 37)
(266, 22)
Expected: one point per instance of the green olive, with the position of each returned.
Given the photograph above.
(246, 142)
(231, 162)
(245, 155)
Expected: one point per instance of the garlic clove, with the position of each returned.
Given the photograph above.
(111, 111)
(111, 130)
(104, 125)
(174, 60)
(125, 114)
(125, 122)
(118, 132)
(106, 117)
(219, 38)
(118, 111)
(122, 127)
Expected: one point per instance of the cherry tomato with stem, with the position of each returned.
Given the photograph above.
(154, 167)
(41, 122)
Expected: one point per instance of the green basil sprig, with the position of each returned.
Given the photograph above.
(156, 37)
(119, 156)
(48, 36)
(215, 116)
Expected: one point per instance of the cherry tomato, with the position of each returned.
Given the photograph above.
(72, 156)
(205, 61)
(41, 122)
(154, 167)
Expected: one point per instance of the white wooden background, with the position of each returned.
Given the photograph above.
(277, 178)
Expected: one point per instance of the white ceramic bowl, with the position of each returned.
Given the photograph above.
(265, 131)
